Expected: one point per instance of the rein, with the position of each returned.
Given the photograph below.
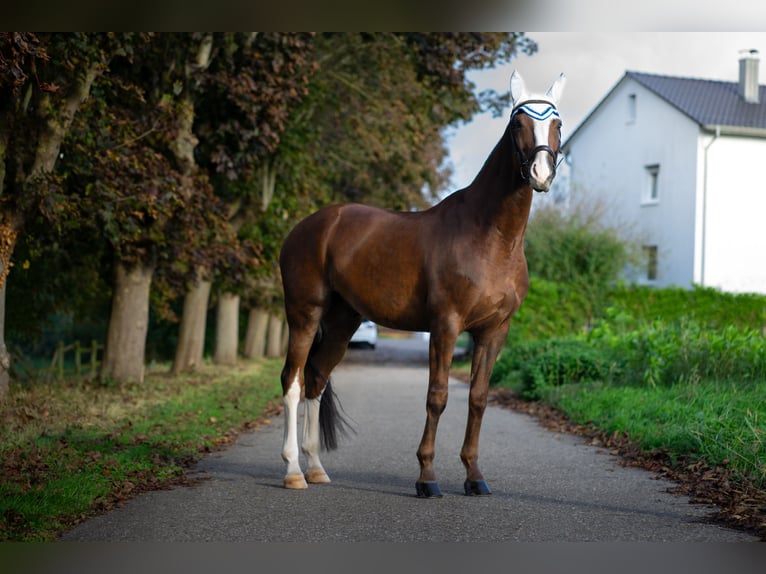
(524, 161)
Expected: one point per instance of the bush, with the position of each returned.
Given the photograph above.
(655, 354)
(574, 247)
(534, 367)
(707, 306)
(662, 353)
(549, 310)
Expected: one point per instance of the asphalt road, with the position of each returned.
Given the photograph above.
(547, 487)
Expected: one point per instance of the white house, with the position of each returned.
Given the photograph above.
(682, 162)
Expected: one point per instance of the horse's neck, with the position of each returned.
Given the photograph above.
(499, 196)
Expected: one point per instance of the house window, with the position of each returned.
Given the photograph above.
(652, 191)
(651, 262)
(631, 108)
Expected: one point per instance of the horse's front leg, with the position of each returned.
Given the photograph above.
(442, 347)
(485, 353)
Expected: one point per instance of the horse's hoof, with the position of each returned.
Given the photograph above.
(317, 476)
(428, 489)
(476, 488)
(295, 482)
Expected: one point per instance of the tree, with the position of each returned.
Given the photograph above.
(131, 157)
(244, 102)
(44, 79)
(195, 153)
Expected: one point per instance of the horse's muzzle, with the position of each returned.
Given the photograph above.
(542, 168)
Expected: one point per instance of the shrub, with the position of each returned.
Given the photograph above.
(549, 310)
(656, 354)
(707, 306)
(662, 353)
(574, 247)
(534, 367)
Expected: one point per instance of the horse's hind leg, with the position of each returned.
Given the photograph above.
(338, 325)
(303, 328)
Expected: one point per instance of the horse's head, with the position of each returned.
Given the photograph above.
(536, 131)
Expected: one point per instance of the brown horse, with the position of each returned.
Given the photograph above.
(458, 266)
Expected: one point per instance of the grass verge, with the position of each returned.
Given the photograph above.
(73, 449)
(707, 437)
(723, 424)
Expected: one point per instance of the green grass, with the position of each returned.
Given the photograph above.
(723, 424)
(692, 391)
(68, 450)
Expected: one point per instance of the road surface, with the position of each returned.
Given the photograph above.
(547, 487)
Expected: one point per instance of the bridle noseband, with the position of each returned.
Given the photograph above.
(524, 161)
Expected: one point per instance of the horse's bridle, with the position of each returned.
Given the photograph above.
(524, 161)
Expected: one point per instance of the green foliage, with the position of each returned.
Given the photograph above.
(573, 247)
(708, 306)
(679, 370)
(535, 366)
(663, 354)
(656, 354)
(550, 309)
(370, 127)
(165, 159)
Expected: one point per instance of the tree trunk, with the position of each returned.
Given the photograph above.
(191, 336)
(274, 339)
(227, 330)
(128, 324)
(255, 338)
(5, 357)
(8, 237)
(190, 348)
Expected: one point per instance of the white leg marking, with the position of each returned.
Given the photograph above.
(294, 475)
(310, 447)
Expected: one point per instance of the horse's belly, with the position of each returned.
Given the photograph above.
(386, 302)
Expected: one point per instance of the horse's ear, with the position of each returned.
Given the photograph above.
(518, 90)
(554, 92)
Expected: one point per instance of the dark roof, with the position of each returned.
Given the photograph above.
(708, 102)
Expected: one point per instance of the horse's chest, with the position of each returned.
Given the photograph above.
(489, 291)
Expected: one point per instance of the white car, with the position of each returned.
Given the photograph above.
(366, 334)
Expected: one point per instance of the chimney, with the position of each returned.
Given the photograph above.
(748, 76)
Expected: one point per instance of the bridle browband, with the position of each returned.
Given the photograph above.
(524, 161)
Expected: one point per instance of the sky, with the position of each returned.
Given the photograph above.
(593, 63)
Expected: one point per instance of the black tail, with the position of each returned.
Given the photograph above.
(332, 419)
(331, 414)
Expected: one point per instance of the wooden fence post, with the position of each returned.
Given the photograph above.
(60, 353)
(94, 358)
(77, 358)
